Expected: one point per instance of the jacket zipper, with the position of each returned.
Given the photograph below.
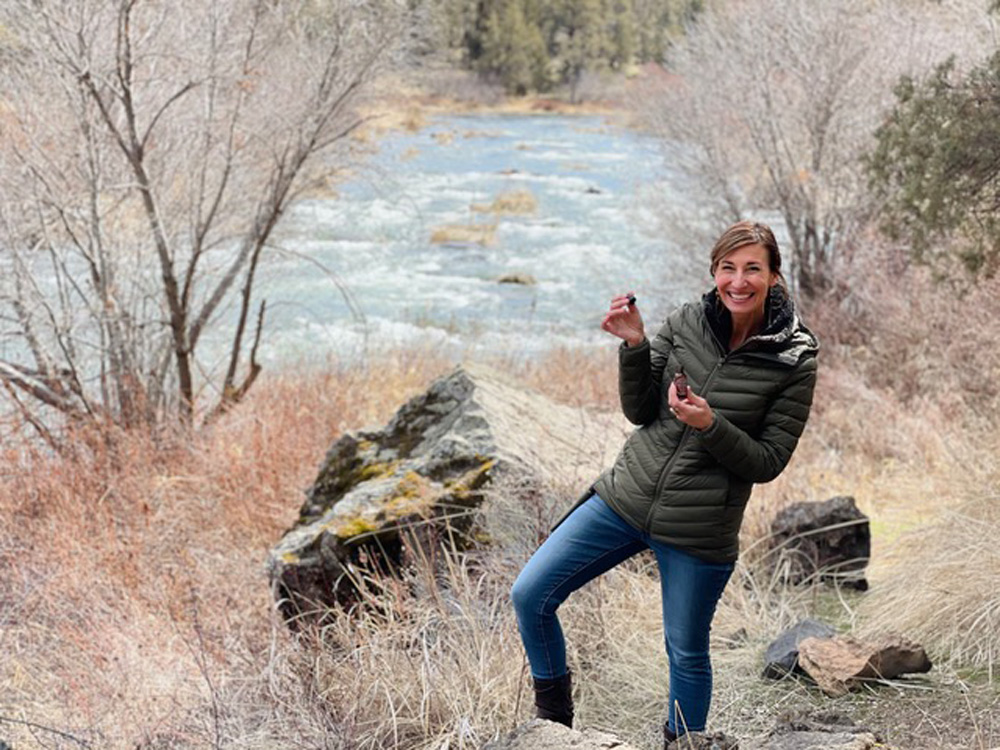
(665, 472)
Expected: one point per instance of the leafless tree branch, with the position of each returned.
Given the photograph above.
(149, 151)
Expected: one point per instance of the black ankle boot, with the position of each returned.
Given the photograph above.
(668, 736)
(554, 699)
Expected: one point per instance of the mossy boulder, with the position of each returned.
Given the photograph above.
(425, 474)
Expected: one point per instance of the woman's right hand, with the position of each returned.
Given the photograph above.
(624, 320)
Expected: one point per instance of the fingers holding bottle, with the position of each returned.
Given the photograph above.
(624, 320)
(692, 410)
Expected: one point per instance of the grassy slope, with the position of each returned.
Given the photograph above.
(137, 614)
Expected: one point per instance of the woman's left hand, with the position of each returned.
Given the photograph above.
(693, 410)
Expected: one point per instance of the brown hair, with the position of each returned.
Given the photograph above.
(744, 233)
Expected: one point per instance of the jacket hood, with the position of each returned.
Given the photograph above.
(784, 337)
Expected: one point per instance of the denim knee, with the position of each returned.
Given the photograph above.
(688, 663)
(523, 597)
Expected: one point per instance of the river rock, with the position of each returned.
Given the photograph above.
(829, 539)
(704, 741)
(524, 279)
(424, 475)
(841, 663)
(539, 734)
(815, 732)
(781, 657)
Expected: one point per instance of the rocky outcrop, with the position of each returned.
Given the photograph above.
(705, 741)
(830, 539)
(815, 732)
(782, 655)
(539, 734)
(802, 731)
(842, 663)
(379, 492)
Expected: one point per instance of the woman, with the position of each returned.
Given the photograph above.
(682, 480)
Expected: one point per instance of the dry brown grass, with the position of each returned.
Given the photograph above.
(944, 587)
(136, 611)
(133, 596)
(410, 103)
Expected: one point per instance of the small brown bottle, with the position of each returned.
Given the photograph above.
(681, 384)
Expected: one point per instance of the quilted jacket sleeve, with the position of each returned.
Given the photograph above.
(763, 458)
(640, 375)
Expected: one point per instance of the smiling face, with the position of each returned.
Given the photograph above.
(744, 278)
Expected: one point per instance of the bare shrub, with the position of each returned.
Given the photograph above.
(603, 86)
(149, 152)
(926, 341)
(462, 86)
(770, 105)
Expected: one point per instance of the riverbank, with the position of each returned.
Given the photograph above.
(137, 613)
(409, 102)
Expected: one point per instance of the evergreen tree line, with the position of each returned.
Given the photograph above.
(539, 45)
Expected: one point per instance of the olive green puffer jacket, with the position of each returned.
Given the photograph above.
(687, 487)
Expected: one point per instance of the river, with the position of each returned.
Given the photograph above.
(359, 271)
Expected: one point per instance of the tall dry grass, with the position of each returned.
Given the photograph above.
(133, 598)
(943, 588)
(136, 613)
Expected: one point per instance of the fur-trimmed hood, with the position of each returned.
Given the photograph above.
(784, 336)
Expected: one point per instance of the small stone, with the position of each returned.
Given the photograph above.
(842, 663)
(781, 657)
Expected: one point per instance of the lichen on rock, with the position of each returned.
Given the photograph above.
(424, 474)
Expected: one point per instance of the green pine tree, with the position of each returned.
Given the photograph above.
(937, 167)
(513, 50)
(623, 35)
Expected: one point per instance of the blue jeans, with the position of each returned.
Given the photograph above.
(591, 541)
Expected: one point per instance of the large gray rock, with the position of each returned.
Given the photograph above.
(815, 732)
(781, 657)
(829, 539)
(842, 663)
(423, 475)
(539, 734)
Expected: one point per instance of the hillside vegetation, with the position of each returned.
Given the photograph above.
(137, 612)
(139, 509)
